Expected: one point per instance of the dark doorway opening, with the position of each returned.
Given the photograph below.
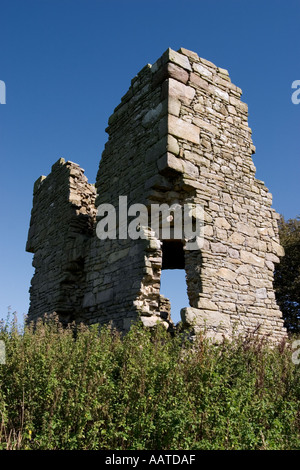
(172, 254)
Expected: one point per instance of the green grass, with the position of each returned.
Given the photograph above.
(146, 390)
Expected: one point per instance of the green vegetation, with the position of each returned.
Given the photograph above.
(87, 388)
(287, 274)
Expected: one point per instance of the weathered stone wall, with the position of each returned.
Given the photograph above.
(117, 267)
(180, 135)
(62, 223)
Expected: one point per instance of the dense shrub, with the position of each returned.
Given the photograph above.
(87, 388)
(287, 274)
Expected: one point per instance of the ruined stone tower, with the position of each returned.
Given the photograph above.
(180, 136)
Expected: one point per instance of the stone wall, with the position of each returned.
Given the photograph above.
(179, 136)
(62, 223)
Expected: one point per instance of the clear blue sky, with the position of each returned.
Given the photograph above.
(66, 64)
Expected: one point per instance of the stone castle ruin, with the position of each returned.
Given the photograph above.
(179, 136)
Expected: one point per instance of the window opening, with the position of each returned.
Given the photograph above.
(173, 278)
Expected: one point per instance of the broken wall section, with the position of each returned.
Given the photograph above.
(119, 269)
(61, 226)
(212, 148)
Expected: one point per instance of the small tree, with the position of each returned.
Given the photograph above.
(287, 274)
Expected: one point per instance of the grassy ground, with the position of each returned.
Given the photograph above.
(97, 390)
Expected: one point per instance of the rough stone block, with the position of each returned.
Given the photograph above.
(177, 58)
(183, 129)
(250, 258)
(181, 92)
(104, 296)
(202, 70)
(206, 126)
(189, 53)
(177, 73)
(174, 106)
(205, 318)
(170, 162)
(88, 300)
(172, 145)
(226, 273)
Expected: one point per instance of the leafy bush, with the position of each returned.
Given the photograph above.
(91, 388)
(287, 274)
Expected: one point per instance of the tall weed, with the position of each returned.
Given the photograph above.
(91, 388)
